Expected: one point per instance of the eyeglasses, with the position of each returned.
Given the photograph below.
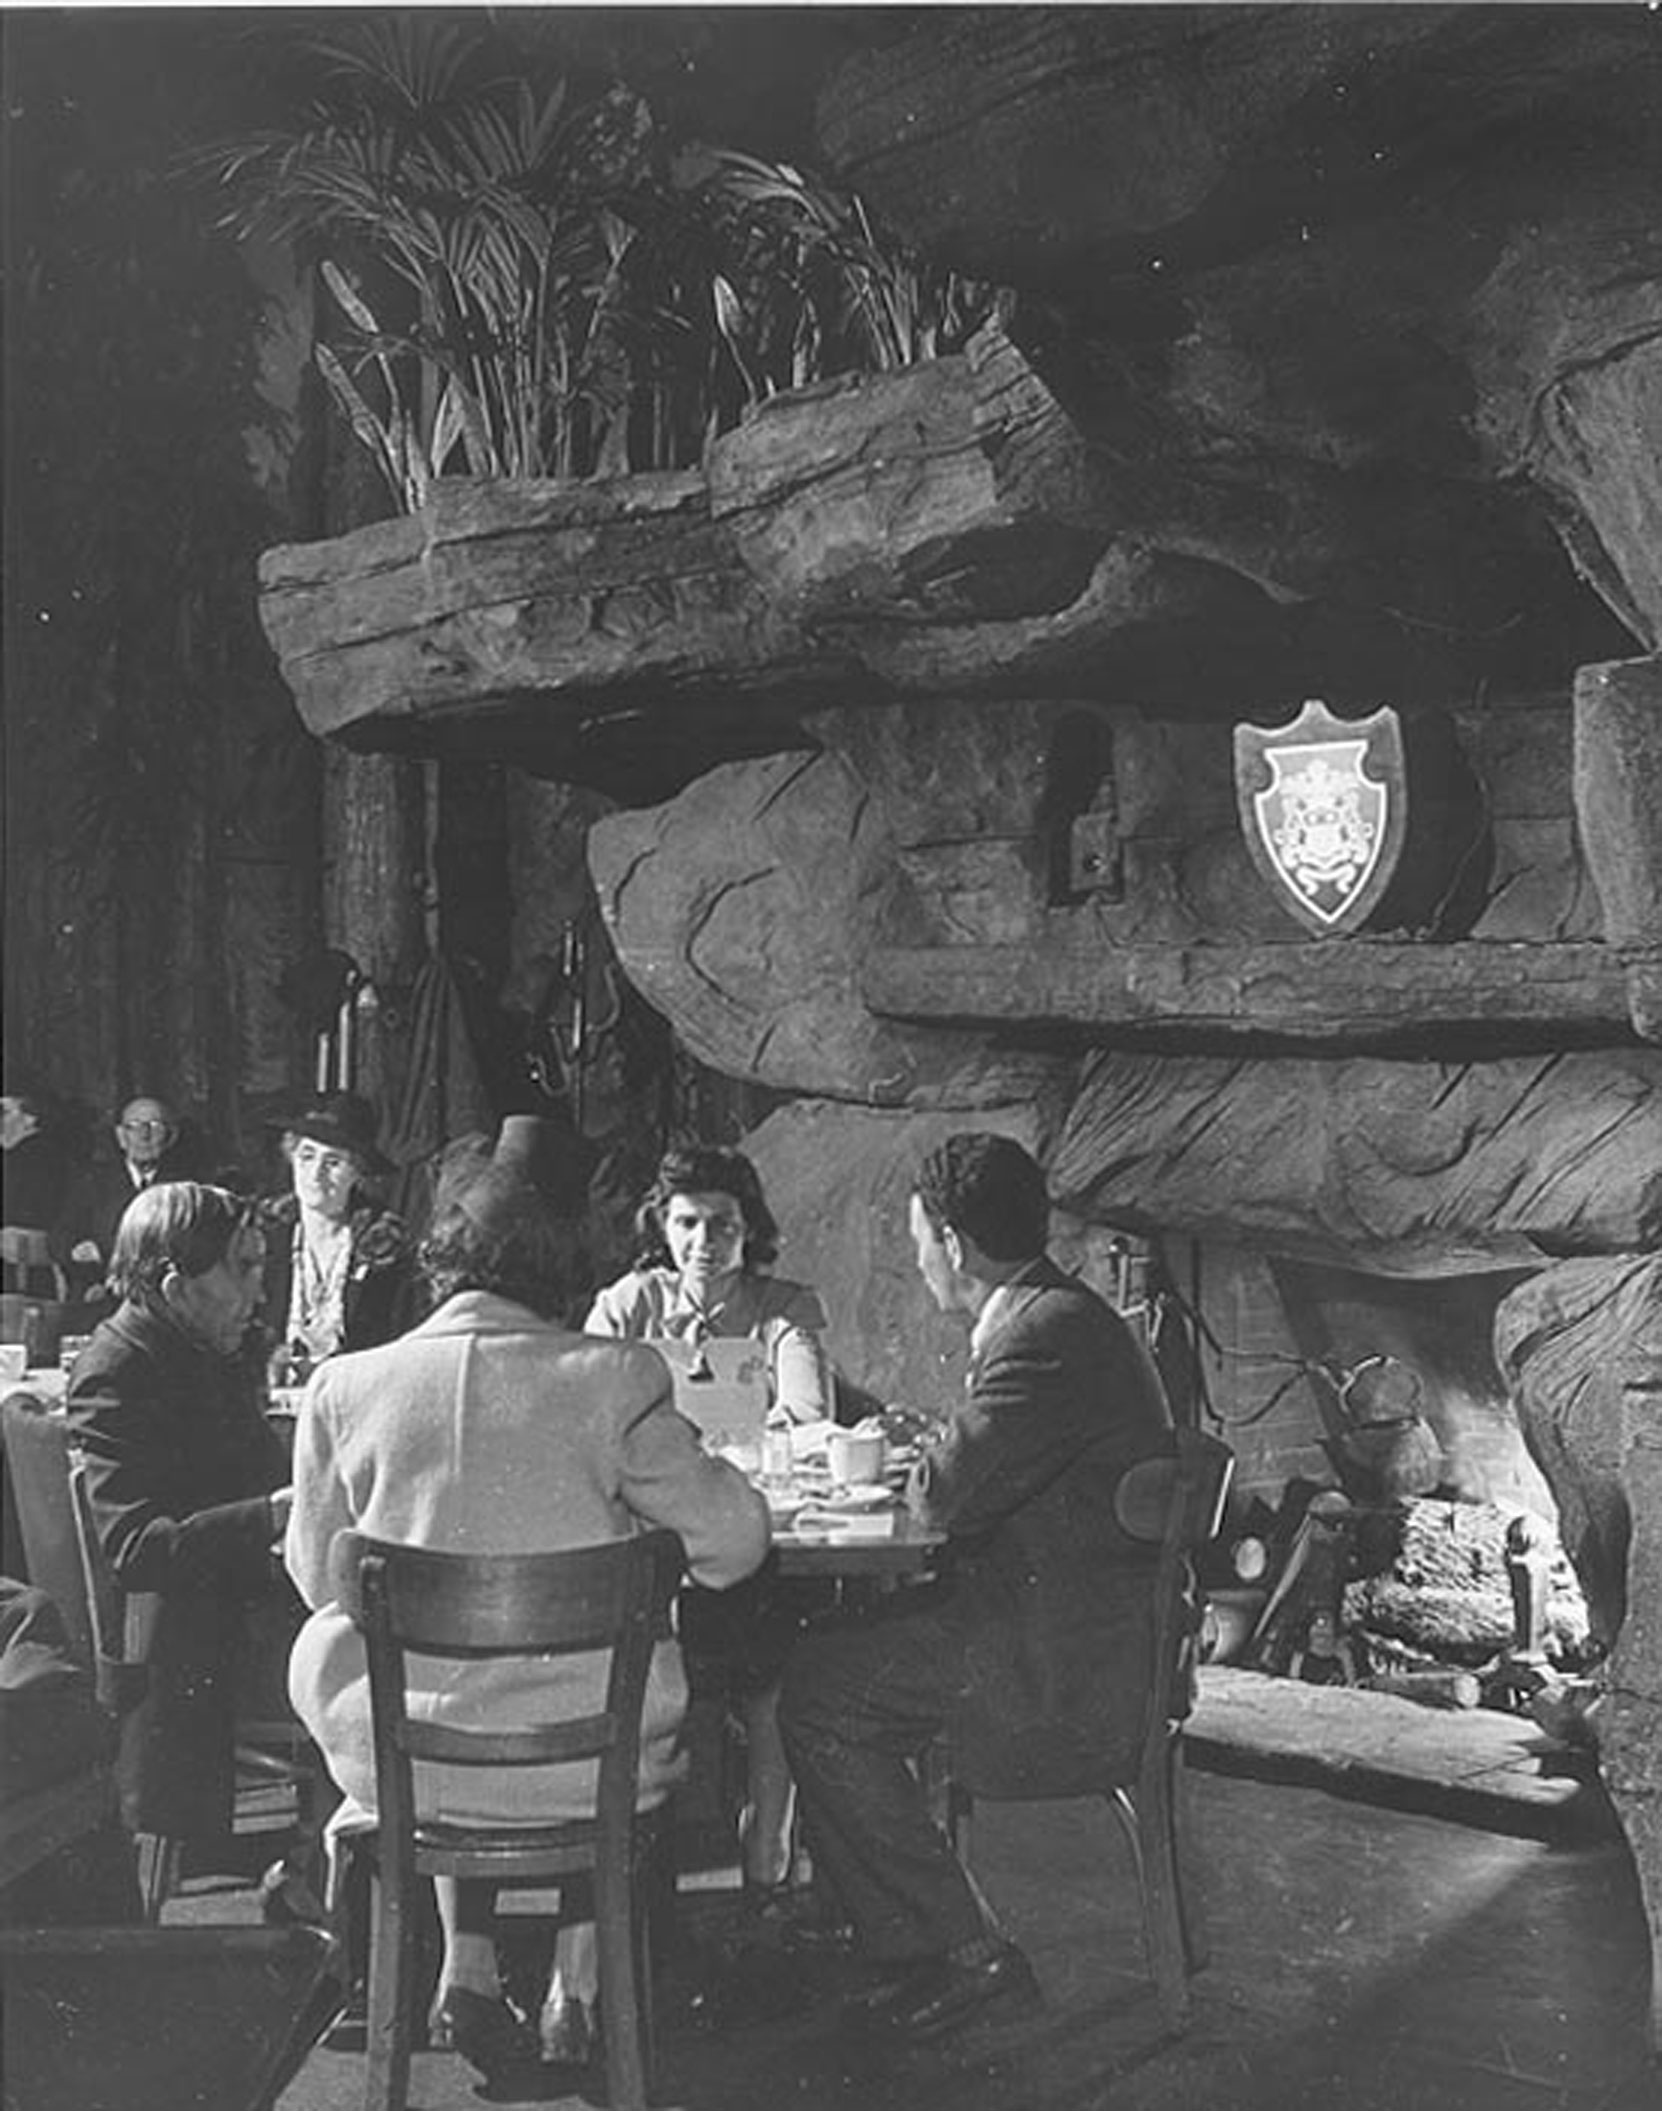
(145, 1128)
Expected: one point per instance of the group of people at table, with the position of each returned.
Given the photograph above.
(493, 1425)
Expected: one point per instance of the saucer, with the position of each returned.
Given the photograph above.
(857, 1496)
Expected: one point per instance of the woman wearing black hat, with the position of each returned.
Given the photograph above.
(340, 1269)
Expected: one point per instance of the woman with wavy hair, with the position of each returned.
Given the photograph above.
(708, 1242)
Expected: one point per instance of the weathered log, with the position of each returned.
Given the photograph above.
(903, 533)
(949, 492)
(1321, 991)
(1410, 1168)
(1618, 786)
(495, 589)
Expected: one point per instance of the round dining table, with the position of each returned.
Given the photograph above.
(904, 1549)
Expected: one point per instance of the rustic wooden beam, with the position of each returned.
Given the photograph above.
(1618, 802)
(1326, 991)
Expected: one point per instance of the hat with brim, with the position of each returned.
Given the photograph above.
(346, 1122)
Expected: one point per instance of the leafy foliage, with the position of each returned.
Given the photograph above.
(520, 280)
(810, 289)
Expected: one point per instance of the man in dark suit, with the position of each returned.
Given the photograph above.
(1032, 1650)
(189, 1488)
(147, 1150)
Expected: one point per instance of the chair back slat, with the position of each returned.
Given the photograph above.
(613, 1597)
(1198, 1470)
(27, 1268)
(465, 1605)
(548, 1744)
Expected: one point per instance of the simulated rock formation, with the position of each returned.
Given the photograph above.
(1581, 1346)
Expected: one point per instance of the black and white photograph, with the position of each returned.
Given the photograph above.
(831, 1089)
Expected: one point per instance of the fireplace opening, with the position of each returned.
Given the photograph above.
(1388, 1529)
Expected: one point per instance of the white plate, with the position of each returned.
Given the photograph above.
(859, 1495)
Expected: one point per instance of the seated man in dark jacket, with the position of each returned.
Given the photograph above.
(1032, 1652)
(188, 1485)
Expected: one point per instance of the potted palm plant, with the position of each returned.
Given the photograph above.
(594, 368)
(521, 280)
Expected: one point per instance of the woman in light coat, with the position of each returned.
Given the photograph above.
(491, 1429)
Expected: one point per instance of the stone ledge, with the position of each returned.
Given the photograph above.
(1476, 1765)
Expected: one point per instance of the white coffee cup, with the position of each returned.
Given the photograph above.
(855, 1455)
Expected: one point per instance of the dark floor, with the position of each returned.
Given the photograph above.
(1363, 1960)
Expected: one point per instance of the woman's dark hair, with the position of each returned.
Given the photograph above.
(494, 1230)
(177, 1226)
(703, 1169)
(988, 1189)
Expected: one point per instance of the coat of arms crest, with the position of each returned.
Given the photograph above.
(1323, 803)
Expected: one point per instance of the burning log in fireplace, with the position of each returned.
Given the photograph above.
(1446, 1601)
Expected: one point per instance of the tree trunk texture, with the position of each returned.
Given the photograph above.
(375, 904)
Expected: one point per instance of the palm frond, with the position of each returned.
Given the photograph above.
(515, 287)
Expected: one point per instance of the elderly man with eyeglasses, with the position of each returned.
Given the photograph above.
(147, 1150)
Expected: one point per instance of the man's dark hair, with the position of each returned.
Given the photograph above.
(177, 1225)
(703, 1169)
(990, 1191)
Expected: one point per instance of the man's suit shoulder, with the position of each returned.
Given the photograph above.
(1060, 1302)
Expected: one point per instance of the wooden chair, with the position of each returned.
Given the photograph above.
(1176, 1502)
(615, 1598)
(154, 2019)
(27, 1268)
(276, 1767)
(34, 1293)
(37, 1472)
(34, 1826)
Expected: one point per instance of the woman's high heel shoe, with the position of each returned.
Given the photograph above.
(569, 2028)
(484, 2030)
(288, 1901)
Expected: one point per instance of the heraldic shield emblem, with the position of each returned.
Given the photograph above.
(1324, 805)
